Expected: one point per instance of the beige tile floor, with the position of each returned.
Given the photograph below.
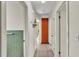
(44, 50)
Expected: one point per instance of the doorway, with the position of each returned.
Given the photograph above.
(45, 31)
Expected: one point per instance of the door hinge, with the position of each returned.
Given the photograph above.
(59, 52)
(59, 17)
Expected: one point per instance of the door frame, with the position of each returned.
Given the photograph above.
(3, 29)
(58, 28)
(25, 31)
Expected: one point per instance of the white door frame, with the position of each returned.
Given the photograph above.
(25, 31)
(67, 27)
(3, 29)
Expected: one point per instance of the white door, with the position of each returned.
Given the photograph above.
(62, 30)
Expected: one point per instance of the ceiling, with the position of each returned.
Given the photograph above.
(44, 9)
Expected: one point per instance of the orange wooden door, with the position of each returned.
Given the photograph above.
(44, 30)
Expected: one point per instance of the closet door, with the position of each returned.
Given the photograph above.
(15, 43)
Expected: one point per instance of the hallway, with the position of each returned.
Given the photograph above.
(44, 50)
(39, 29)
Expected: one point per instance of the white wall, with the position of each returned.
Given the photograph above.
(40, 31)
(74, 29)
(36, 34)
(31, 38)
(52, 32)
(15, 16)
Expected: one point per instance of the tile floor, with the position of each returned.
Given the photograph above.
(44, 50)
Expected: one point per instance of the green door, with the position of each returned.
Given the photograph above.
(15, 43)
